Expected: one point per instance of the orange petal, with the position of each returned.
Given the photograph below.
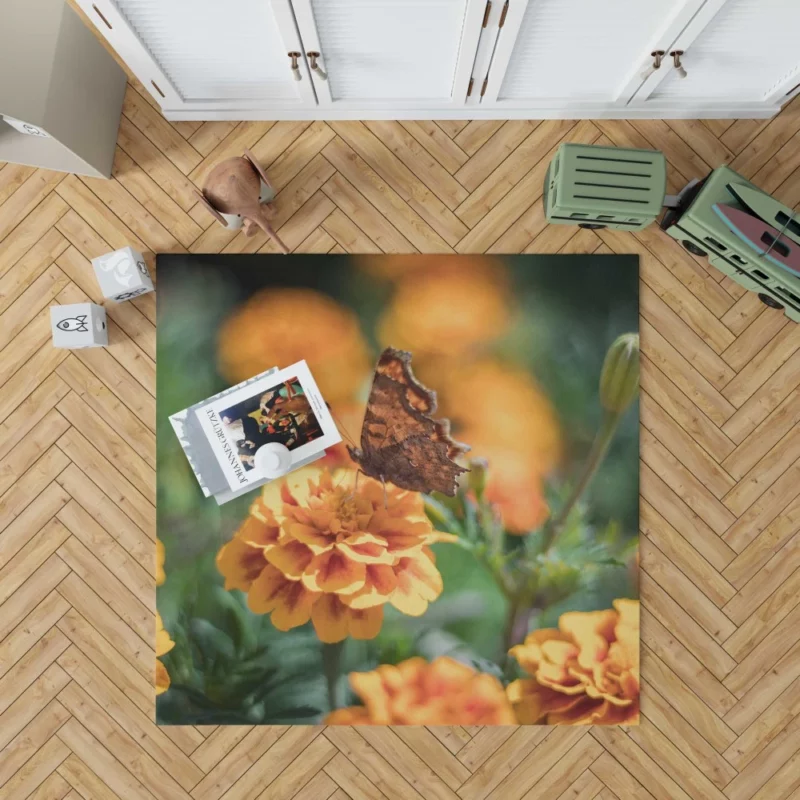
(334, 572)
(162, 681)
(290, 558)
(265, 591)
(418, 583)
(366, 552)
(259, 534)
(556, 651)
(330, 618)
(164, 642)
(366, 624)
(487, 703)
(355, 715)
(263, 512)
(380, 583)
(373, 689)
(592, 631)
(582, 711)
(289, 601)
(293, 607)
(317, 540)
(534, 703)
(240, 564)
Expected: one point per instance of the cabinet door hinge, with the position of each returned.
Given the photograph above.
(483, 88)
(486, 13)
(469, 88)
(503, 15)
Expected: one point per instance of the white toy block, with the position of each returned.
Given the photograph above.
(79, 325)
(122, 275)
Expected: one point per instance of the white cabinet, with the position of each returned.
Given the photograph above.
(208, 56)
(735, 51)
(405, 59)
(576, 53)
(406, 53)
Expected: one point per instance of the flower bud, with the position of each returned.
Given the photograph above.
(619, 381)
(477, 476)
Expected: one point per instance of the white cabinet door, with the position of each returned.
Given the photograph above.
(393, 54)
(213, 55)
(575, 54)
(735, 51)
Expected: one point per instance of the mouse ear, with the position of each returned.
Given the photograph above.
(211, 210)
(257, 167)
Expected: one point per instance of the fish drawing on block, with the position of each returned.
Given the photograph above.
(77, 324)
(764, 239)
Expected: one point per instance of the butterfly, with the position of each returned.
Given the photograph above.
(400, 441)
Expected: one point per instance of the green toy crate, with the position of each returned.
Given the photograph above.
(695, 224)
(605, 187)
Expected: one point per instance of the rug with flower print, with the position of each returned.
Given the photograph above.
(327, 598)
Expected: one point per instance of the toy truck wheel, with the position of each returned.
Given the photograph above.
(592, 226)
(769, 301)
(693, 248)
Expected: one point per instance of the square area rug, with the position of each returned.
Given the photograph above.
(330, 596)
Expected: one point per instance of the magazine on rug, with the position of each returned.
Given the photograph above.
(222, 434)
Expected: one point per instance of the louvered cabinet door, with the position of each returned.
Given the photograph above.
(556, 54)
(214, 55)
(736, 51)
(391, 54)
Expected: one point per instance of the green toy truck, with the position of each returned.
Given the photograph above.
(609, 187)
(702, 232)
(605, 187)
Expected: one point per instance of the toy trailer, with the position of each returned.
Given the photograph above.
(703, 232)
(605, 187)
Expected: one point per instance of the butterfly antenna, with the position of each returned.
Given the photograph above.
(342, 428)
(355, 484)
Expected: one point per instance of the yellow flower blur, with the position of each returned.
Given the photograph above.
(415, 692)
(282, 326)
(314, 548)
(585, 672)
(163, 645)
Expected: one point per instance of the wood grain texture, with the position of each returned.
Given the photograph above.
(720, 472)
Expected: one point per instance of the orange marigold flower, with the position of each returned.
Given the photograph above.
(489, 401)
(516, 488)
(415, 692)
(163, 645)
(281, 326)
(160, 558)
(585, 672)
(505, 417)
(448, 310)
(319, 549)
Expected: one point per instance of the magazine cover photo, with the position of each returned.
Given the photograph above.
(280, 414)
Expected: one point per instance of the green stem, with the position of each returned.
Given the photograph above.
(332, 665)
(598, 452)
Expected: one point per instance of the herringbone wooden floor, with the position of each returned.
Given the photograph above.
(720, 471)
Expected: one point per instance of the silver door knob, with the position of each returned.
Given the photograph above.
(312, 58)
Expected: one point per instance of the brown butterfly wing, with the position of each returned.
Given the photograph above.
(400, 441)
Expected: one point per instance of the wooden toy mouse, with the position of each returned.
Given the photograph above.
(234, 189)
